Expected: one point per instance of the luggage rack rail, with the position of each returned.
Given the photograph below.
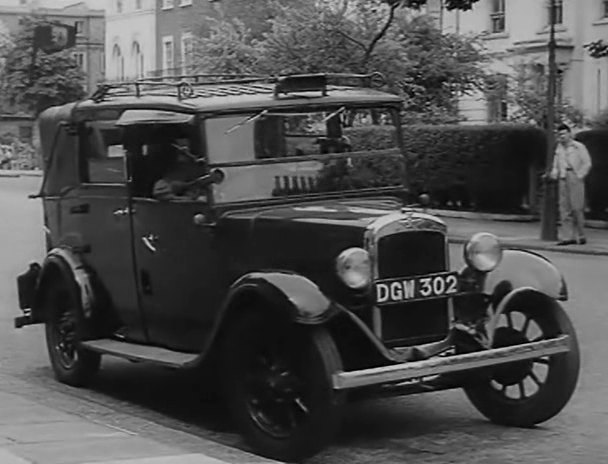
(214, 85)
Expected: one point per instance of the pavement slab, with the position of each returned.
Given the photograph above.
(76, 430)
(6, 457)
(93, 450)
(33, 433)
(179, 459)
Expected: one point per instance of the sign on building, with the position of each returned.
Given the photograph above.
(52, 38)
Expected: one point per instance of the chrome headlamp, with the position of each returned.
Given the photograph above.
(483, 252)
(354, 268)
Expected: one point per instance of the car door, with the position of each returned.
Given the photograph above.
(175, 261)
(98, 216)
(178, 271)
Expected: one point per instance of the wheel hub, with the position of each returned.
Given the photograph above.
(512, 373)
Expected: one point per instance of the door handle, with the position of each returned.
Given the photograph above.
(123, 212)
(150, 241)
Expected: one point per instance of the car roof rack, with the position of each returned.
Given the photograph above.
(213, 85)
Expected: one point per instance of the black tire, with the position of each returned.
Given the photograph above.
(277, 379)
(65, 327)
(494, 396)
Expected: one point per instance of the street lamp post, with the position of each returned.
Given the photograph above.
(549, 210)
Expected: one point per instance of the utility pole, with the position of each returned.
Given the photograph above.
(549, 209)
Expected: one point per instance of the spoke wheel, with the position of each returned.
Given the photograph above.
(528, 392)
(277, 378)
(64, 326)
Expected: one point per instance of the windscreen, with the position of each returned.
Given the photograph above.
(272, 154)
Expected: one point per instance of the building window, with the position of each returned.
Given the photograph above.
(168, 58)
(119, 6)
(79, 26)
(137, 59)
(118, 63)
(185, 2)
(496, 97)
(167, 4)
(497, 16)
(187, 52)
(559, 11)
(138, 4)
(605, 9)
(81, 60)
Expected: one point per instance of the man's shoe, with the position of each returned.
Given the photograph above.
(582, 241)
(566, 242)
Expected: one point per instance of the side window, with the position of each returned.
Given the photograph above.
(230, 138)
(104, 153)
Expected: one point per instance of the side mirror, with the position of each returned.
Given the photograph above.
(216, 176)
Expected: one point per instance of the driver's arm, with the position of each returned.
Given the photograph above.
(163, 190)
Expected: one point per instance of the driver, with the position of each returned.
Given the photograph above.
(178, 180)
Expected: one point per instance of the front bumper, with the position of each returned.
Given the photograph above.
(448, 364)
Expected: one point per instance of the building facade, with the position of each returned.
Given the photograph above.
(90, 31)
(131, 37)
(178, 23)
(516, 34)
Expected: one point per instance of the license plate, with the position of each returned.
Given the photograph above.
(416, 288)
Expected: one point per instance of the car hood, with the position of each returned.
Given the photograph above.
(306, 237)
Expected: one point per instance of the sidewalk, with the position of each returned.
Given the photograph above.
(32, 433)
(17, 173)
(523, 235)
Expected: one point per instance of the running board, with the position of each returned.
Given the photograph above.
(141, 353)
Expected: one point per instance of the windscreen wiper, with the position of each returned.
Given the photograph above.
(253, 118)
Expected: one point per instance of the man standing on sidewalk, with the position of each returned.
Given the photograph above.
(571, 164)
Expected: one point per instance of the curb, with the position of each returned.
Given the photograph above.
(590, 223)
(19, 173)
(483, 216)
(541, 247)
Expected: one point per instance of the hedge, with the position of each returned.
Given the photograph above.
(480, 167)
(596, 141)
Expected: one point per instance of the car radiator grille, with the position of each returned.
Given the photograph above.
(407, 254)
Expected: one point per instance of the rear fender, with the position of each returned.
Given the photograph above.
(524, 269)
(300, 298)
(70, 267)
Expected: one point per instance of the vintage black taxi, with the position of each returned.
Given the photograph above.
(262, 228)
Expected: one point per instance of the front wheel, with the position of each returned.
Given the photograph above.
(278, 383)
(71, 364)
(529, 392)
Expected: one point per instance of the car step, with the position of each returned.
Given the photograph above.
(141, 353)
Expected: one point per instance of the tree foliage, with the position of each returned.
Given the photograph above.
(527, 96)
(448, 4)
(355, 36)
(53, 80)
(229, 48)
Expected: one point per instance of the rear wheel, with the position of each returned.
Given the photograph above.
(529, 392)
(277, 378)
(71, 364)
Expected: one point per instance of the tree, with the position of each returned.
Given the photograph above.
(427, 67)
(526, 93)
(448, 4)
(54, 79)
(255, 20)
(229, 48)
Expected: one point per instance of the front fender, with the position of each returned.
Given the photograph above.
(519, 297)
(519, 269)
(300, 297)
(70, 267)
